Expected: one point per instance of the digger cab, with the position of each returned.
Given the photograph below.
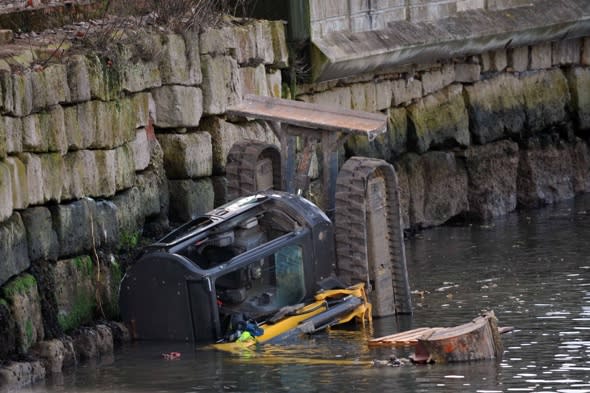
(250, 257)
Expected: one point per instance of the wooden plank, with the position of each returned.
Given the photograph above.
(408, 337)
(310, 116)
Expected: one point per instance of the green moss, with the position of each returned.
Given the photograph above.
(111, 307)
(19, 285)
(3, 303)
(84, 265)
(82, 312)
(128, 240)
(29, 332)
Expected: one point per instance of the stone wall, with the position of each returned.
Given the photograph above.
(96, 149)
(482, 135)
(361, 15)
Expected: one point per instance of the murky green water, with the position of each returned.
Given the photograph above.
(531, 268)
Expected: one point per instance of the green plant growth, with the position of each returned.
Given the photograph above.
(111, 303)
(3, 303)
(128, 240)
(28, 333)
(82, 312)
(19, 285)
(84, 265)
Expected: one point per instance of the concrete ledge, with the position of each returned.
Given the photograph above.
(345, 54)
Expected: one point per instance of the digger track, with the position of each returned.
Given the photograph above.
(351, 227)
(240, 170)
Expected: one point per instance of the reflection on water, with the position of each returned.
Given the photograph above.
(532, 269)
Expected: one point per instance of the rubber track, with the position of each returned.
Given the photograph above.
(351, 227)
(240, 170)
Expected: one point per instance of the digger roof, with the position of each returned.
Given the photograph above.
(225, 217)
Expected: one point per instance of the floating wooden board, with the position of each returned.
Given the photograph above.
(409, 337)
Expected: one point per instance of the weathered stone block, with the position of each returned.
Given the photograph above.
(495, 108)
(579, 82)
(406, 90)
(174, 67)
(22, 95)
(105, 223)
(397, 130)
(79, 78)
(436, 188)
(23, 297)
(387, 145)
(141, 150)
(14, 255)
(143, 106)
(130, 211)
(279, 44)
(124, 167)
(74, 291)
(104, 78)
(44, 176)
(106, 170)
(541, 56)
(274, 82)
(245, 37)
(50, 87)
(191, 40)
(431, 81)
(6, 194)
(546, 97)
(467, 72)
(340, 97)
(545, 175)
(72, 224)
(190, 198)
(52, 354)
(217, 41)
(18, 182)
(79, 176)
(264, 43)
(364, 97)
(178, 106)
(567, 52)
(154, 192)
(384, 94)
(17, 375)
(187, 155)
(45, 131)
(139, 68)
(114, 123)
(80, 125)
(492, 171)
(494, 61)
(439, 120)
(13, 127)
(518, 58)
(224, 135)
(7, 332)
(34, 174)
(222, 86)
(42, 239)
(53, 172)
(254, 80)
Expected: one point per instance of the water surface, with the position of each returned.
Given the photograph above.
(532, 269)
